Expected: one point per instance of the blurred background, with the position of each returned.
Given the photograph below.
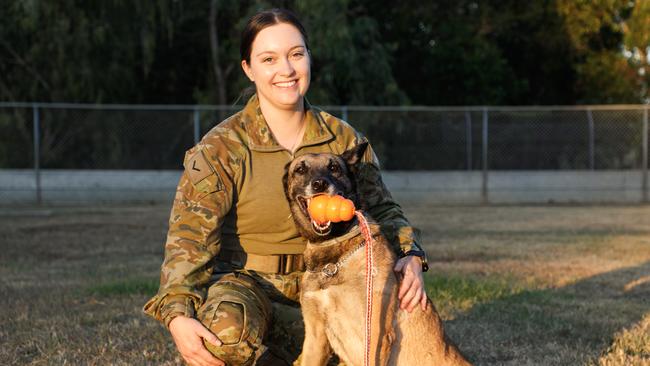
(508, 92)
(513, 133)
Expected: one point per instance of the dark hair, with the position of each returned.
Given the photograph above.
(265, 19)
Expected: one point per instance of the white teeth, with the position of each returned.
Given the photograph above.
(287, 84)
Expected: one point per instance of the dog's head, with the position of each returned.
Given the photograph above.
(313, 174)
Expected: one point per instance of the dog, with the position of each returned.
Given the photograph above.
(333, 294)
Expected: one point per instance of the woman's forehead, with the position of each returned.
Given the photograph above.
(278, 38)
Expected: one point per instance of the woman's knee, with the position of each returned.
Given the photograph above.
(239, 314)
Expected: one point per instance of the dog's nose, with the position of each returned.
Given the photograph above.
(319, 185)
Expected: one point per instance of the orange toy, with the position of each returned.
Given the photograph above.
(323, 208)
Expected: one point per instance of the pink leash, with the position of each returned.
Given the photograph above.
(365, 230)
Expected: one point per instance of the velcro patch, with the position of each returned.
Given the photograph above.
(198, 168)
(202, 175)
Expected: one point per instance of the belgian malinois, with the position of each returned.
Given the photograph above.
(333, 292)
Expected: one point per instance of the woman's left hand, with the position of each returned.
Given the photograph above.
(411, 291)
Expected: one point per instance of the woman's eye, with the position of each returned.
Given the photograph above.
(298, 54)
(267, 60)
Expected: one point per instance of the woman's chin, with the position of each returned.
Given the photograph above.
(288, 101)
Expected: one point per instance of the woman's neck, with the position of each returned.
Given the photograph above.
(286, 124)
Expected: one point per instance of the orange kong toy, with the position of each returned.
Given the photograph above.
(324, 208)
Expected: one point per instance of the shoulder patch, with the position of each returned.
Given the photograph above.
(198, 168)
(201, 174)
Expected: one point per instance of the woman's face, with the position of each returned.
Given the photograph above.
(279, 66)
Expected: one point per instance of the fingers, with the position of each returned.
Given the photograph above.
(415, 300)
(188, 335)
(406, 285)
(198, 355)
(423, 302)
(408, 298)
(415, 295)
(209, 336)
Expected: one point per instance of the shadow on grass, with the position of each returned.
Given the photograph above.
(571, 325)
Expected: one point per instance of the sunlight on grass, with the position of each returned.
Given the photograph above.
(452, 293)
(134, 286)
(630, 347)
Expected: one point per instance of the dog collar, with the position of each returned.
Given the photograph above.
(331, 269)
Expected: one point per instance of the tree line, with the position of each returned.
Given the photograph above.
(444, 52)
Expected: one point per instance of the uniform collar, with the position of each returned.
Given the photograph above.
(261, 138)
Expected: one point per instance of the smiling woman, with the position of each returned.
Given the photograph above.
(278, 63)
(229, 284)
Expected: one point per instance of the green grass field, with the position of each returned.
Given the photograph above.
(516, 285)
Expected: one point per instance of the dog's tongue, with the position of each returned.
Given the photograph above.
(324, 209)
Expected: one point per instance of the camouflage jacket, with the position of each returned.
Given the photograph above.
(230, 197)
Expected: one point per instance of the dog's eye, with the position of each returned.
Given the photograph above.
(301, 169)
(334, 168)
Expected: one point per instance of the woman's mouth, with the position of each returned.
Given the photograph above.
(286, 84)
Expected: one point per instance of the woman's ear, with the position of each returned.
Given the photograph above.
(247, 70)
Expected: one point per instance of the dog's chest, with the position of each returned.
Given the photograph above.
(340, 310)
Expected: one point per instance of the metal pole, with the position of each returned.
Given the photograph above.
(37, 151)
(468, 127)
(484, 186)
(344, 113)
(197, 126)
(644, 176)
(592, 161)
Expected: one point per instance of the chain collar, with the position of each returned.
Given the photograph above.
(331, 269)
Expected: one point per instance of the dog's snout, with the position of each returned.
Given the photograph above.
(319, 185)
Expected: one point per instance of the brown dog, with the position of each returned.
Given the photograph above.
(333, 294)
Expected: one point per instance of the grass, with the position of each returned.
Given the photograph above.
(516, 285)
(136, 286)
(456, 294)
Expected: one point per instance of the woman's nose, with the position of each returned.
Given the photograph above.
(286, 68)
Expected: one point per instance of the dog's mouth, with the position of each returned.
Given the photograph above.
(321, 229)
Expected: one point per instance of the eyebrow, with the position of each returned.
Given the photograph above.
(290, 49)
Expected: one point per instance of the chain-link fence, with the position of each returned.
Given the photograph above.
(80, 147)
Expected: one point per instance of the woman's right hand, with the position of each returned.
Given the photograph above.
(188, 334)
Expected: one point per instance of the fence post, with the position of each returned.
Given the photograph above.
(590, 118)
(344, 113)
(644, 174)
(468, 127)
(197, 125)
(36, 120)
(484, 185)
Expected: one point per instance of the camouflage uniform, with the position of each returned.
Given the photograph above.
(232, 256)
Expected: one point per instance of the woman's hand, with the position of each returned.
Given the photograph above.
(411, 291)
(188, 334)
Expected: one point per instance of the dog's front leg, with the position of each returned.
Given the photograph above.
(384, 331)
(316, 348)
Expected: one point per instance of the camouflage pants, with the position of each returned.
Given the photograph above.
(253, 313)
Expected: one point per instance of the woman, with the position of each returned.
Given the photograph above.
(233, 256)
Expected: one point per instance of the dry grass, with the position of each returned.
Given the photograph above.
(539, 285)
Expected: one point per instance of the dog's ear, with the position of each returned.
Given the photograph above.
(354, 155)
